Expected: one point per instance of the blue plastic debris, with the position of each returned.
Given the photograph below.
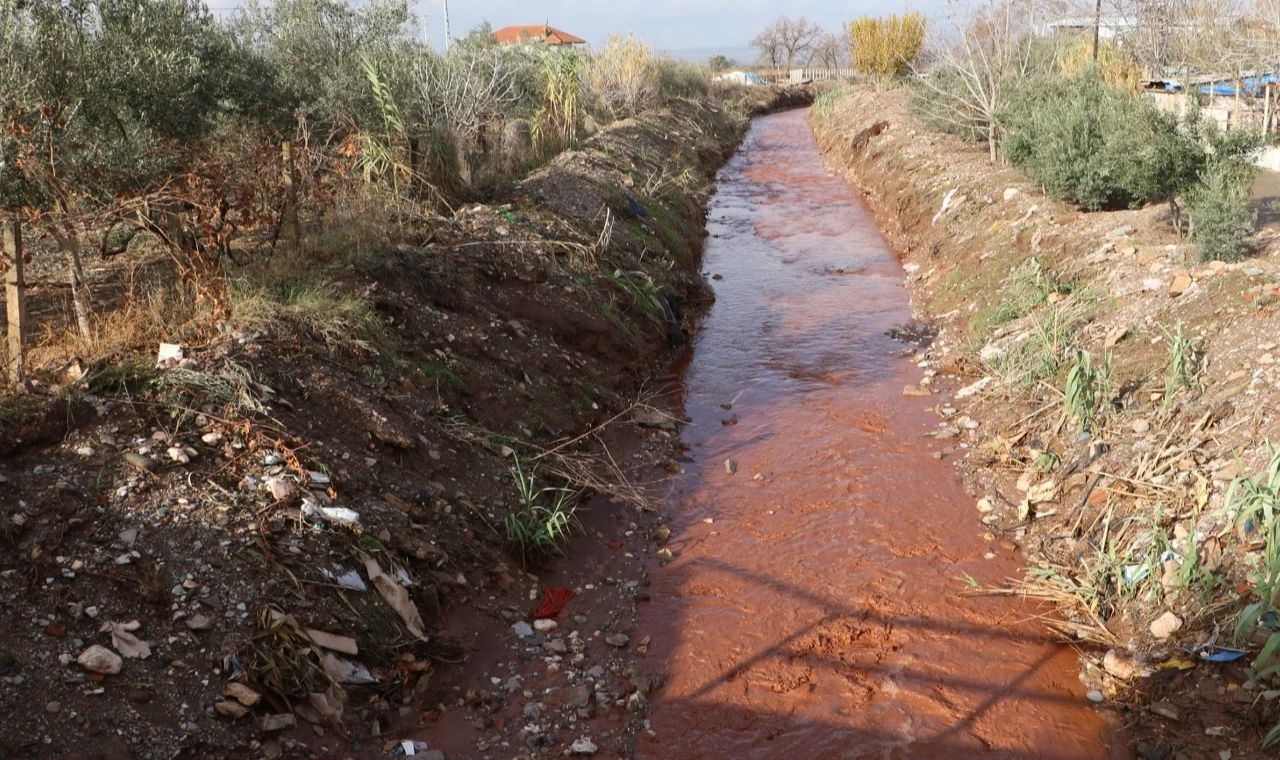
(1216, 654)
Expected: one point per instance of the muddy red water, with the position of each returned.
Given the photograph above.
(816, 607)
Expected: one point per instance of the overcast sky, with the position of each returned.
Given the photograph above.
(673, 25)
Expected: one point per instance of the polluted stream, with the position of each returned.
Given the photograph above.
(817, 605)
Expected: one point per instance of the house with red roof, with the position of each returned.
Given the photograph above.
(537, 34)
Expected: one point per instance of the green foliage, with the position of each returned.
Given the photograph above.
(719, 63)
(546, 519)
(1256, 504)
(1184, 364)
(1220, 214)
(97, 96)
(1086, 385)
(1098, 146)
(1030, 288)
(316, 48)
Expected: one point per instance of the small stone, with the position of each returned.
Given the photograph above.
(984, 505)
(178, 455)
(522, 629)
(233, 710)
(1166, 710)
(53, 707)
(199, 622)
(618, 640)
(128, 537)
(146, 464)
(583, 746)
(278, 722)
(730, 466)
(212, 439)
(99, 659)
(545, 624)
(1181, 284)
(242, 694)
(1166, 625)
(85, 451)
(1141, 426)
(1148, 751)
(916, 391)
(1095, 696)
(1118, 665)
(665, 555)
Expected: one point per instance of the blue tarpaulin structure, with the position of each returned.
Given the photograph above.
(1251, 86)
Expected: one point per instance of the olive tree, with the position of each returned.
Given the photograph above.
(99, 94)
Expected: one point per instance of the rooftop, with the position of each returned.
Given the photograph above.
(548, 35)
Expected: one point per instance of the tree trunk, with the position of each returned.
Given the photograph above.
(991, 141)
(69, 241)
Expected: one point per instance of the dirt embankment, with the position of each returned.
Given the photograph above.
(239, 503)
(1120, 509)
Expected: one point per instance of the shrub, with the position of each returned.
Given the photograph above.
(1098, 146)
(682, 79)
(1220, 214)
(622, 77)
(886, 46)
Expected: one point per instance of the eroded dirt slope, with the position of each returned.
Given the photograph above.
(240, 503)
(1122, 521)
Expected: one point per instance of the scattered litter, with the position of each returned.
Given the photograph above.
(317, 479)
(329, 704)
(168, 355)
(554, 601)
(336, 642)
(396, 596)
(409, 748)
(340, 515)
(1216, 654)
(347, 579)
(345, 671)
(124, 641)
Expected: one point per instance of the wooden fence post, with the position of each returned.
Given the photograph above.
(15, 300)
(289, 180)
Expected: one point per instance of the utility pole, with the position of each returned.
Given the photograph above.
(1097, 28)
(446, 25)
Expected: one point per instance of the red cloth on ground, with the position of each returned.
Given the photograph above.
(553, 600)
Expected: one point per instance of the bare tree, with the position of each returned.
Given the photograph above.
(785, 39)
(980, 57)
(832, 50)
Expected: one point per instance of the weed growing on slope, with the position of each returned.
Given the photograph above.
(1256, 503)
(546, 518)
(1085, 390)
(1184, 365)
